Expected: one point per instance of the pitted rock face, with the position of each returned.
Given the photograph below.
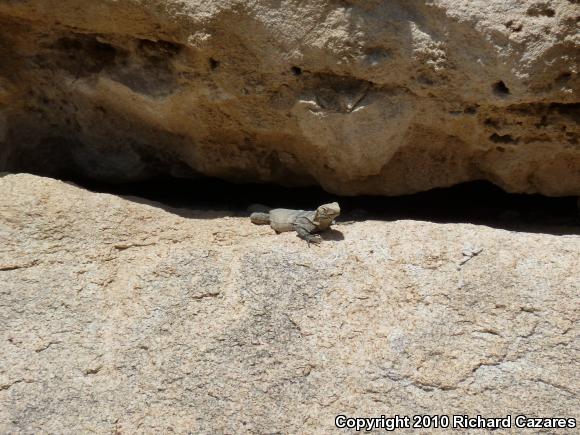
(360, 97)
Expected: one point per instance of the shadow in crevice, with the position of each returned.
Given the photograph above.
(478, 203)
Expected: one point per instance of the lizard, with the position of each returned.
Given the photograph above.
(305, 223)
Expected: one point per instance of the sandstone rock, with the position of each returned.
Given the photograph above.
(358, 96)
(121, 316)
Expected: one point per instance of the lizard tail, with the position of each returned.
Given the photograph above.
(260, 218)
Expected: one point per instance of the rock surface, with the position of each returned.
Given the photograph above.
(120, 316)
(359, 96)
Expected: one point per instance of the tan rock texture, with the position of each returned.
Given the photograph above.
(121, 316)
(375, 97)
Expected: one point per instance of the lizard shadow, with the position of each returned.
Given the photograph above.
(332, 235)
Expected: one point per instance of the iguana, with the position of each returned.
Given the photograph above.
(305, 223)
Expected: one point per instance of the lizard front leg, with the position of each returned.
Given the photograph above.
(309, 237)
(304, 230)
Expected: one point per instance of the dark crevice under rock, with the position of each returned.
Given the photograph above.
(478, 203)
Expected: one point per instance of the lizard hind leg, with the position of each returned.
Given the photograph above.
(260, 218)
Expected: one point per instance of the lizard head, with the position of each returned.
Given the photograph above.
(326, 213)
